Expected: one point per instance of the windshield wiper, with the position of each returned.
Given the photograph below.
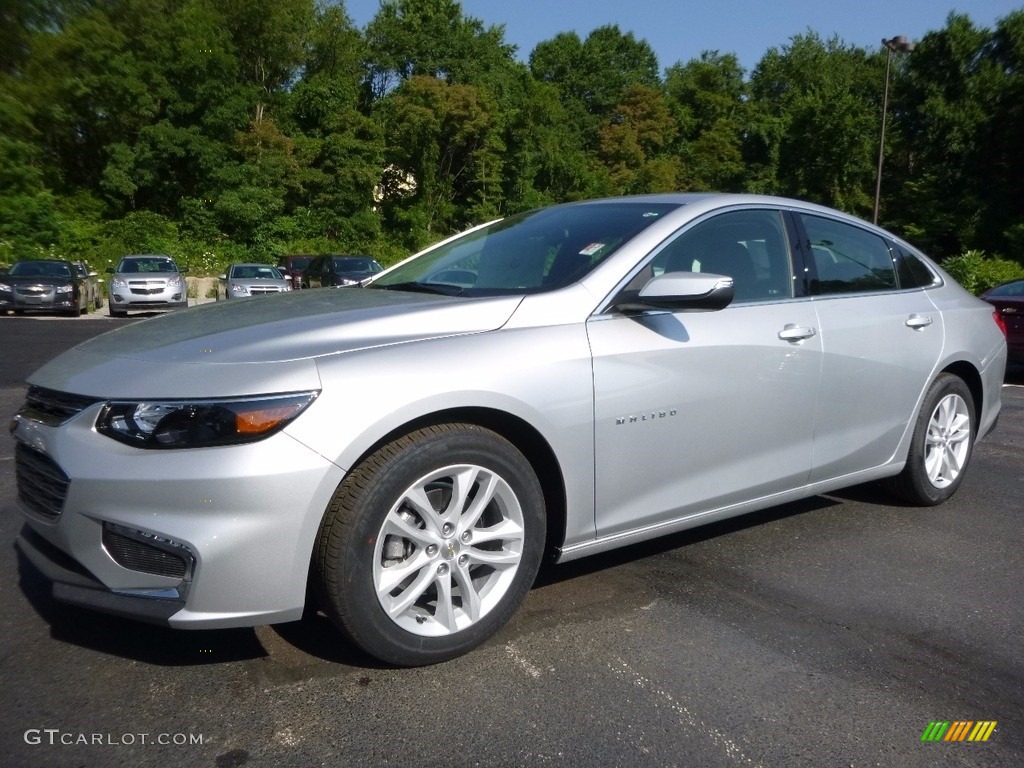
(416, 287)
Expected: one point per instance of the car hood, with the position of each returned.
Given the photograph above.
(278, 336)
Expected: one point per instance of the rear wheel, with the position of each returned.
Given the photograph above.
(941, 446)
(430, 545)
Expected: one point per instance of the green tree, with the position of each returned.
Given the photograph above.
(633, 140)
(814, 129)
(433, 38)
(941, 122)
(709, 98)
(443, 154)
(593, 74)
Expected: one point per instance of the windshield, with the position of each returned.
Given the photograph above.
(357, 264)
(254, 272)
(1010, 289)
(528, 253)
(40, 269)
(153, 264)
(296, 263)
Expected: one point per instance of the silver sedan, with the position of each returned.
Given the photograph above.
(244, 280)
(562, 382)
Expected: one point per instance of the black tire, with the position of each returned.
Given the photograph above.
(942, 444)
(358, 543)
(116, 313)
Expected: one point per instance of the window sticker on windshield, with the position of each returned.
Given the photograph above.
(591, 249)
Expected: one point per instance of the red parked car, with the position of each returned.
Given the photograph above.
(1009, 300)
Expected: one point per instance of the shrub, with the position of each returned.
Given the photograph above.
(977, 272)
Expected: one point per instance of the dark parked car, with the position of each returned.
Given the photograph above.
(293, 267)
(44, 284)
(1009, 300)
(330, 270)
(93, 284)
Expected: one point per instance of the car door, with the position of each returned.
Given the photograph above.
(881, 342)
(313, 277)
(696, 411)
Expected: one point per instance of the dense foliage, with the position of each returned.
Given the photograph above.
(222, 130)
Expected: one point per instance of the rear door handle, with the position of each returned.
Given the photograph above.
(793, 332)
(918, 322)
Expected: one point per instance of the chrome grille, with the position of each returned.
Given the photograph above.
(53, 408)
(142, 556)
(42, 485)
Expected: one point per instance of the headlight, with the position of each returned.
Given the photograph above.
(236, 288)
(175, 282)
(118, 282)
(65, 288)
(5, 287)
(200, 423)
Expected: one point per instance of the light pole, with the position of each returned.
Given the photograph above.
(902, 45)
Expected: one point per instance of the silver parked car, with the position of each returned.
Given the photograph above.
(242, 280)
(146, 282)
(564, 381)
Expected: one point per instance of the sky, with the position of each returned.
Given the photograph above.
(679, 30)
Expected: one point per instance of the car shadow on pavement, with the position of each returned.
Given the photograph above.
(1014, 374)
(131, 639)
(552, 573)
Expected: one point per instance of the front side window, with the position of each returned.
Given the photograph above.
(848, 259)
(751, 247)
(528, 253)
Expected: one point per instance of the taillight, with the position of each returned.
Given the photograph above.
(998, 317)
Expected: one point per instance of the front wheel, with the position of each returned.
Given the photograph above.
(941, 446)
(430, 545)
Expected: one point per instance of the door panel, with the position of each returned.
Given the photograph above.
(880, 346)
(879, 354)
(699, 410)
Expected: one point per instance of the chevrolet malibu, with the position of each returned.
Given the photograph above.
(561, 382)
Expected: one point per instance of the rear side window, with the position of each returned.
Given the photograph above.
(848, 259)
(913, 272)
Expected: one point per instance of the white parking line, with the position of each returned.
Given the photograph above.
(731, 748)
(522, 661)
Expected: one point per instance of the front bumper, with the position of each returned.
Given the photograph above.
(46, 300)
(240, 521)
(148, 298)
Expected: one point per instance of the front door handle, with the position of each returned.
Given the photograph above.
(793, 332)
(918, 322)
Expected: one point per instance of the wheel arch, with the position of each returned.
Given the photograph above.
(970, 375)
(520, 433)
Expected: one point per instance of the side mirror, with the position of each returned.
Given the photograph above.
(222, 277)
(110, 270)
(680, 292)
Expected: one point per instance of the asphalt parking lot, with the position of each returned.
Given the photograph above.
(829, 632)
